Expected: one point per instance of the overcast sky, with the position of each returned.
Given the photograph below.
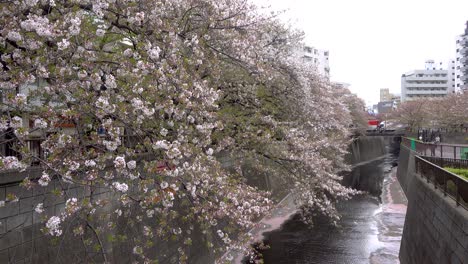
(372, 42)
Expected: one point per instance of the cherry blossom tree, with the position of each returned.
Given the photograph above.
(411, 113)
(138, 97)
(447, 112)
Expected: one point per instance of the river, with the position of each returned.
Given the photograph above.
(369, 232)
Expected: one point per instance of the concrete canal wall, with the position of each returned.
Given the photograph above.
(436, 230)
(21, 238)
(22, 241)
(365, 149)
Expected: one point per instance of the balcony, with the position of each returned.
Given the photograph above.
(426, 85)
(464, 69)
(464, 41)
(425, 92)
(463, 60)
(428, 79)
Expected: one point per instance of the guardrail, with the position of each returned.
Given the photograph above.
(34, 145)
(449, 183)
(437, 150)
(448, 162)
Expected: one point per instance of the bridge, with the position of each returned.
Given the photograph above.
(436, 224)
(384, 132)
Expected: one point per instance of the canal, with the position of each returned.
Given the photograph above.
(370, 230)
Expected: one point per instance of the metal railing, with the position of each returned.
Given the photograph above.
(441, 150)
(447, 162)
(448, 183)
(34, 145)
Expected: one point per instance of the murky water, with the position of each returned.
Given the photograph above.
(370, 230)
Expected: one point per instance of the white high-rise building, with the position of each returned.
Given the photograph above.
(452, 76)
(318, 58)
(461, 63)
(432, 82)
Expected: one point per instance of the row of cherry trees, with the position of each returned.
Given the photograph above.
(186, 79)
(447, 113)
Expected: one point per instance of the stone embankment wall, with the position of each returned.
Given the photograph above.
(436, 230)
(21, 238)
(22, 241)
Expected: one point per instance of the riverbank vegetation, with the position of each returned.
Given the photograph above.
(461, 172)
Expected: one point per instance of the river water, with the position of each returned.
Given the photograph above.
(370, 230)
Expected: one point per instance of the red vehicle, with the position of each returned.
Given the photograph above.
(373, 124)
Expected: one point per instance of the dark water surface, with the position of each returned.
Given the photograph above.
(369, 232)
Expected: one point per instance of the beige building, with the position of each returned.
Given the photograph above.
(385, 95)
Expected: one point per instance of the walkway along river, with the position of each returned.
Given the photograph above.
(369, 232)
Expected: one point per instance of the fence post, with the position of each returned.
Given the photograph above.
(418, 169)
(427, 169)
(458, 191)
(441, 151)
(445, 184)
(454, 152)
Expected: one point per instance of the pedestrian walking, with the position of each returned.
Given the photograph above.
(434, 142)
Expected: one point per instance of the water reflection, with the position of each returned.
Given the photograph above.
(370, 230)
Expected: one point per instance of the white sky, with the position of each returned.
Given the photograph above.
(372, 42)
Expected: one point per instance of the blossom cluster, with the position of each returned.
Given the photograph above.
(142, 100)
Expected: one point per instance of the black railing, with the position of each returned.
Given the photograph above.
(448, 183)
(9, 147)
(448, 162)
(437, 149)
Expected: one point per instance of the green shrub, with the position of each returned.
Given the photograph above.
(460, 172)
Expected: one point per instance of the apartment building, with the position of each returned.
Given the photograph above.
(318, 58)
(431, 82)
